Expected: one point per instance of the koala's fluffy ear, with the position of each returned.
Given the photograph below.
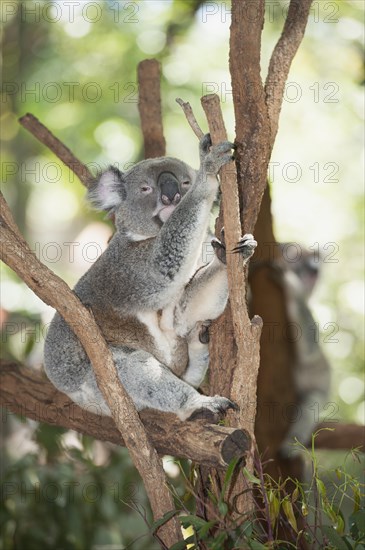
(107, 190)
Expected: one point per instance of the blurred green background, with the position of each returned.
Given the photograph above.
(73, 65)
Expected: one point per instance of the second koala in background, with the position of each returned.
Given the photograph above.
(311, 369)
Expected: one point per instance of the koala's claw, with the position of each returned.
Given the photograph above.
(213, 409)
(246, 246)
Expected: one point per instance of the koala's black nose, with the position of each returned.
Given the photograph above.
(169, 187)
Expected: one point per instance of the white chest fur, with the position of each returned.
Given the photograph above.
(162, 330)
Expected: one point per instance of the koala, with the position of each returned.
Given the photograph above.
(151, 298)
(311, 369)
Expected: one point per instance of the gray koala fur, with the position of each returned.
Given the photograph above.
(311, 369)
(147, 284)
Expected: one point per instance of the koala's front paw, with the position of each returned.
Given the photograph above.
(212, 409)
(246, 246)
(217, 156)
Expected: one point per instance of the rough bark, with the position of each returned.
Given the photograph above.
(53, 291)
(256, 113)
(27, 392)
(252, 122)
(246, 334)
(281, 59)
(149, 105)
(39, 131)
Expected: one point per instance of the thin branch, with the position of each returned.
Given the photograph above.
(55, 292)
(231, 215)
(38, 130)
(244, 329)
(282, 57)
(190, 117)
(28, 392)
(149, 105)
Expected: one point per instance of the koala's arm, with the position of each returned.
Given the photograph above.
(178, 245)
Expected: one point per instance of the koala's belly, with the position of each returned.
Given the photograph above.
(150, 331)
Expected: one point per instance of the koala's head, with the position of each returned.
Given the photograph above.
(145, 196)
(304, 263)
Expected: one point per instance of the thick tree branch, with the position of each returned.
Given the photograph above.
(282, 57)
(149, 105)
(333, 435)
(28, 392)
(231, 214)
(53, 291)
(38, 130)
(252, 123)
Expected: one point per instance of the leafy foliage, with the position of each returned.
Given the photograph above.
(72, 495)
(287, 514)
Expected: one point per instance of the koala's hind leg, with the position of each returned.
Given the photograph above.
(152, 385)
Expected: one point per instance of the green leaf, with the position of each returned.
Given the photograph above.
(321, 488)
(255, 545)
(359, 519)
(203, 531)
(330, 512)
(334, 538)
(274, 508)
(340, 525)
(218, 542)
(157, 524)
(295, 495)
(250, 477)
(289, 512)
(181, 545)
(195, 521)
(229, 473)
(357, 525)
(223, 508)
(357, 498)
(247, 528)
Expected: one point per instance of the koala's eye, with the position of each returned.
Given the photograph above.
(146, 189)
(186, 183)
